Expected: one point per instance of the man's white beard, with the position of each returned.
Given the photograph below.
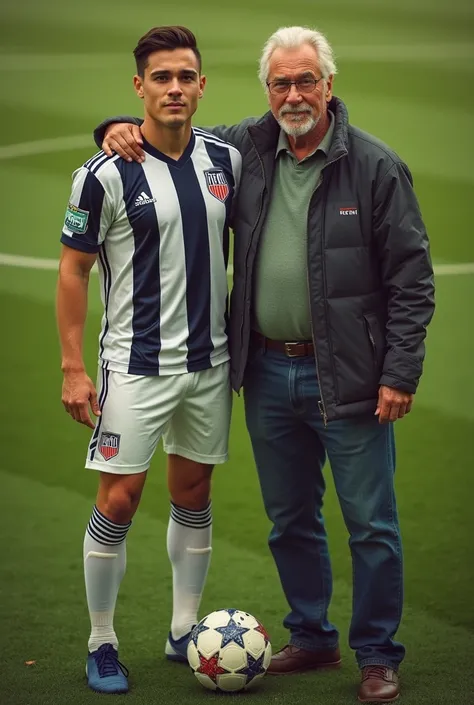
(300, 127)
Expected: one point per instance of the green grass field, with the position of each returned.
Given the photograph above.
(406, 74)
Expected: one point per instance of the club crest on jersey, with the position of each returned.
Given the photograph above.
(76, 219)
(109, 445)
(217, 184)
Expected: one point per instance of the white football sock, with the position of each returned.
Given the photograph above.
(104, 567)
(189, 550)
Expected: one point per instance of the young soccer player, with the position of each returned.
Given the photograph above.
(160, 231)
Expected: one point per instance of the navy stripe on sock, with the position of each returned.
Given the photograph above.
(105, 531)
(194, 519)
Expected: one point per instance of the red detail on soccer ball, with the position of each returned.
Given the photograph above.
(263, 632)
(210, 667)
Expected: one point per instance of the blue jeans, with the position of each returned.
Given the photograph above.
(290, 444)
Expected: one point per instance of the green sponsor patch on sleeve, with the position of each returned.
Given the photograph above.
(76, 219)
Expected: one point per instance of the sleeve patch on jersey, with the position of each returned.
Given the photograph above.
(76, 219)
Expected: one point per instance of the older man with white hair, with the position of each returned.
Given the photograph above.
(333, 291)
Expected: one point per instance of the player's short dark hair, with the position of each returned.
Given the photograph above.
(164, 38)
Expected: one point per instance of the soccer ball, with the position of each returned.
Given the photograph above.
(229, 650)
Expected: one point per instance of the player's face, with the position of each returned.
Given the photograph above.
(171, 86)
(298, 112)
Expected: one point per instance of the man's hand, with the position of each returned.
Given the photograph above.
(125, 139)
(78, 393)
(393, 404)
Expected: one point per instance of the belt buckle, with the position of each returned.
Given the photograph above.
(289, 348)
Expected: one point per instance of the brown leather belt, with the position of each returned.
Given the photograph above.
(298, 348)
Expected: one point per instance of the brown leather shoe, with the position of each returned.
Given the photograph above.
(379, 684)
(291, 659)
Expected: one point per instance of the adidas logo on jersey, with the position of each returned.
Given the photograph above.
(143, 199)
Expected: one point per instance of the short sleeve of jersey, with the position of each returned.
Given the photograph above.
(88, 213)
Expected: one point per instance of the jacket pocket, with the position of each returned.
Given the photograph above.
(374, 335)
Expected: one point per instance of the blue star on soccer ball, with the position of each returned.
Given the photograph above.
(253, 668)
(232, 632)
(198, 629)
(231, 611)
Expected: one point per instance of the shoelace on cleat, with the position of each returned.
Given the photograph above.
(107, 662)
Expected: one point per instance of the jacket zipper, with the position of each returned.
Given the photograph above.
(250, 243)
(321, 404)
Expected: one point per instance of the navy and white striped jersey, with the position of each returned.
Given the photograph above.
(161, 231)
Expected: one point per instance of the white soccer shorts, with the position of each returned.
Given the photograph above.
(190, 411)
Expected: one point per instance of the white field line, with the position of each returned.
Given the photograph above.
(7, 260)
(47, 146)
(59, 144)
(432, 52)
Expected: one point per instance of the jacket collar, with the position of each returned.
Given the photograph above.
(266, 131)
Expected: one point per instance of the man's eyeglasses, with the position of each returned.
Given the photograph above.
(303, 85)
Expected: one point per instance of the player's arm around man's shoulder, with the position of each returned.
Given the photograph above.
(407, 277)
(121, 135)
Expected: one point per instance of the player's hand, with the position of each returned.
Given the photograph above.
(125, 139)
(78, 394)
(392, 404)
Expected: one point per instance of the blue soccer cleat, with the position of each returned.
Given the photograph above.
(105, 673)
(177, 649)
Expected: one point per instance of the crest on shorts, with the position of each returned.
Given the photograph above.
(217, 184)
(109, 444)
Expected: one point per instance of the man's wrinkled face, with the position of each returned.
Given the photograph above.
(297, 108)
